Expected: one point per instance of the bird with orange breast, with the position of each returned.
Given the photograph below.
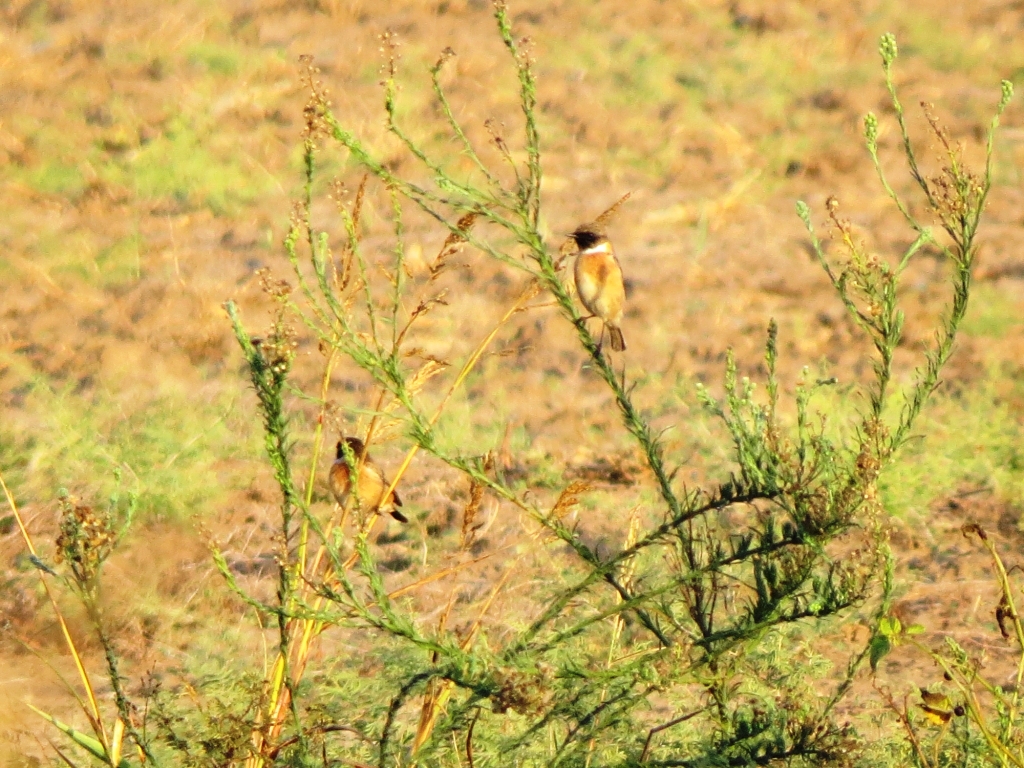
(370, 486)
(599, 281)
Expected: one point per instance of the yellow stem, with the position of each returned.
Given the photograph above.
(437, 696)
(94, 705)
(1004, 585)
(309, 628)
(525, 296)
(325, 384)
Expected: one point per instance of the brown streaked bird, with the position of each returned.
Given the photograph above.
(372, 483)
(599, 281)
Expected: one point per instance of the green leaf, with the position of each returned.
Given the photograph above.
(879, 649)
(915, 629)
(88, 743)
(889, 627)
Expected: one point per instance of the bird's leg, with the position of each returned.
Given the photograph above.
(583, 322)
(600, 341)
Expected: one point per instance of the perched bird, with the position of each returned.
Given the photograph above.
(371, 486)
(599, 281)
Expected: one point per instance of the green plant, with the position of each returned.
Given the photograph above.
(701, 608)
(702, 597)
(87, 537)
(979, 721)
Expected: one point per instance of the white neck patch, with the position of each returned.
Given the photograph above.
(603, 247)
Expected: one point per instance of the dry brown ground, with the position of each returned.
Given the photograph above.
(150, 160)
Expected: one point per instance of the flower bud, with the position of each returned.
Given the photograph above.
(871, 131)
(887, 47)
(1007, 88)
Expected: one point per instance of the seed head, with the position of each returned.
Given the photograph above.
(1007, 94)
(887, 47)
(804, 212)
(871, 131)
(85, 540)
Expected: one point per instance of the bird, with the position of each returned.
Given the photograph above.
(599, 281)
(371, 485)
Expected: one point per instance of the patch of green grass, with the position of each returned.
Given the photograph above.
(185, 165)
(972, 439)
(944, 49)
(474, 417)
(648, 82)
(75, 257)
(53, 166)
(992, 313)
(168, 444)
(1009, 173)
(214, 58)
(640, 70)
(119, 262)
(55, 177)
(662, 95)
(476, 422)
(65, 255)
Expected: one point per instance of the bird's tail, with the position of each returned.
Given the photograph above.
(395, 504)
(618, 343)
